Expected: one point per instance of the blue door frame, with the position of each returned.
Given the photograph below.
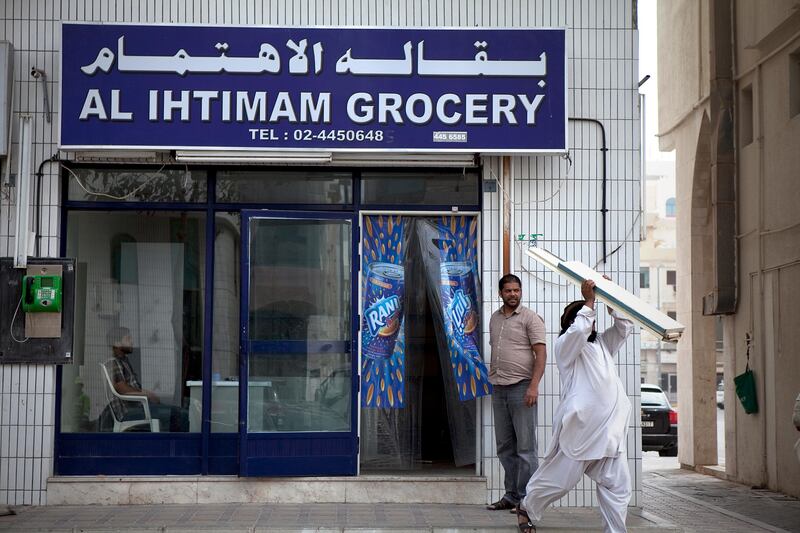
(297, 453)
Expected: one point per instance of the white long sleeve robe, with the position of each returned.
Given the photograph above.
(591, 421)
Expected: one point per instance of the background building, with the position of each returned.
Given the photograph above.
(730, 108)
(657, 278)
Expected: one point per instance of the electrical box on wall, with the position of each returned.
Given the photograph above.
(37, 311)
(6, 80)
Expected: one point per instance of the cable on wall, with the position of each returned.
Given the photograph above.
(111, 196)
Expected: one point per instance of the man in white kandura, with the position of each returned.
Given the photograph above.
(590, 425)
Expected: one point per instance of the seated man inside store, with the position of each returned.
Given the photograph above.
(125, 381)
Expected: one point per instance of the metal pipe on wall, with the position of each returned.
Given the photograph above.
(604, 150)
(507, 206)
(23, 186)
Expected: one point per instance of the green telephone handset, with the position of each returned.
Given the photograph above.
(41, 294)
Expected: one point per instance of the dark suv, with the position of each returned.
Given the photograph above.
(659, 422)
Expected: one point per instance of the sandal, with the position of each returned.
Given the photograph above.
(524, 521)
(500, 505)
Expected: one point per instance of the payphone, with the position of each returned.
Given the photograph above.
(37, 306)
(41, 294)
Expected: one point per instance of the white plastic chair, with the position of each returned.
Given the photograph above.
(120, 425)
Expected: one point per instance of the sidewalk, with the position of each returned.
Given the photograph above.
(675, 500)
(274, 518)
(702, 503)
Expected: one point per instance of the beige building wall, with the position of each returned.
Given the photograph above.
(765, 45)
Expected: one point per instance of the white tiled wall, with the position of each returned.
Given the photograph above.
(26, 432)
(561, 199)
(550, 197)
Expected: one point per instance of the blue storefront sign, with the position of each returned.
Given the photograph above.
(312, 88)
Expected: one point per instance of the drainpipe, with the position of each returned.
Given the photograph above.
(762, 341)
(722, 299)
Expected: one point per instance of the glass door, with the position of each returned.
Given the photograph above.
(298, 411)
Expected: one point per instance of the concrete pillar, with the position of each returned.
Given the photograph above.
(697, 423)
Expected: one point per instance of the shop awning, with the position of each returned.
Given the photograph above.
(615, 296)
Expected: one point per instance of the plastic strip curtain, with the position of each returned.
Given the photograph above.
(384, 245)
(448, 246)
(450, 250)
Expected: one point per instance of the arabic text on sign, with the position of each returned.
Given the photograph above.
(268, 60)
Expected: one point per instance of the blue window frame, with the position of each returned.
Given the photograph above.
(670, 208)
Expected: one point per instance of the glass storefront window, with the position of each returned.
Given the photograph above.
(284, 187)
(299, 325)
(139, 321)
(139, 340)
(299, 392)
(108, 184)
(452, 187)
(225, 352)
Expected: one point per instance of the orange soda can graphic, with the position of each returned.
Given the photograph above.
(459, 302)
(383, 317)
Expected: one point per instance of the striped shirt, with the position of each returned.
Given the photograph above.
(120, 370)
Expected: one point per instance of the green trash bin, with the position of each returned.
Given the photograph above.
(746, 390)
